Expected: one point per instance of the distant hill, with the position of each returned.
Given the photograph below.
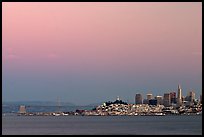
(100, 103)
(38, 103)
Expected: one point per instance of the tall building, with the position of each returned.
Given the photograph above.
(159, 100)
(146, 101)
(138, 99)
(173, 97)
(149, 96)
(179, 99)
(192, 96)
(166, 100)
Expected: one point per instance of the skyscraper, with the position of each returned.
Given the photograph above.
(166, 100)
(192, 96)
(173, 97)
(138, 99)
(179, 100)
(159, 100)
(149, 96)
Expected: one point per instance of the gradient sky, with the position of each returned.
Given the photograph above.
(93, 52)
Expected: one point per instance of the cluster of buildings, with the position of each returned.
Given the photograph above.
(169, 99)
(123, 109)
(169, 103)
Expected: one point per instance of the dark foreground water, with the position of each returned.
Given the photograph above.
(102, 125)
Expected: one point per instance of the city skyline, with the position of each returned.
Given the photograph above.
(90, 52)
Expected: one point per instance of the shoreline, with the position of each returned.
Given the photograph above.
(64, 114)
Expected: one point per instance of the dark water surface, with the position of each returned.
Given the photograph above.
(102, 125)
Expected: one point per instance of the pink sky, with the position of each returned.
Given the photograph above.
(103, 38)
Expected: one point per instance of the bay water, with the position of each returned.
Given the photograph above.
(101, 125)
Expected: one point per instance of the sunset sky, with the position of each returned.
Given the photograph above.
(93, 52)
